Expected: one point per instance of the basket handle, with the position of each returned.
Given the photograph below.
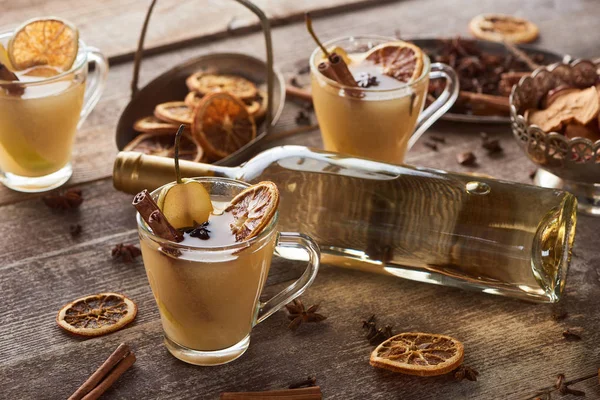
(266, 27)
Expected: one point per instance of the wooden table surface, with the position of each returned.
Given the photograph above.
(517, 347)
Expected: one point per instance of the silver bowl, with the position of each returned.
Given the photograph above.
(569, 164)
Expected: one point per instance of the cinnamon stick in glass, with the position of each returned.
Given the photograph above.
(155, 219)
(341, 70)
(325, 68)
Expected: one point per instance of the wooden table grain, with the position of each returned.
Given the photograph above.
(517, 347)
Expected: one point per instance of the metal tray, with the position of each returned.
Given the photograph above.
(432, 45)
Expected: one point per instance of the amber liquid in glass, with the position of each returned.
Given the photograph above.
(376, 125)
(208, 299)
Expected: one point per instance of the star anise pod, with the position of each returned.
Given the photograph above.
(75, 230)
(126, 252)
(298, 314)
(366, 80)
(199, 231)
(465, 372)
(69, 199)
(375, 335)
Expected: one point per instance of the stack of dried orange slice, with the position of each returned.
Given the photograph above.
(221, 112)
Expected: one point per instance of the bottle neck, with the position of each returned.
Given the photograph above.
(134, 172)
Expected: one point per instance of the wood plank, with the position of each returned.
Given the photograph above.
(516, 346)
(101, 23)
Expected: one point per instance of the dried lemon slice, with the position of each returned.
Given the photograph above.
(400, 60)
(175, 112)
(154, 125)
(502, 27)
(53, 42)
(163, 144)
(421, 354)
(253, 209)
(97, 314)
(205, 83)
(222, 125)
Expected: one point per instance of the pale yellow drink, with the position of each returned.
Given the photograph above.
(377, 123)
(208, 299)
(37, 128)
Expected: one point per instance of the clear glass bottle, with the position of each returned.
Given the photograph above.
(416, 223)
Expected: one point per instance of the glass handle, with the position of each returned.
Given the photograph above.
(290, 242)
(95, 83)
(441, 104)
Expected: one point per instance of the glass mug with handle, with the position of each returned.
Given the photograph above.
(39, 122)
(385, 120)
(208, 297)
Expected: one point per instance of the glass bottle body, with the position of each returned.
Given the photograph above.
(416, 223)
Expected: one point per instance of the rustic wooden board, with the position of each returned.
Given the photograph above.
(516, 346)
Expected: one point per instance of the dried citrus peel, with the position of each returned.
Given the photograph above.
(52, 42)
(421, 354)
(97, 314)
(400, 60)
(253, 209)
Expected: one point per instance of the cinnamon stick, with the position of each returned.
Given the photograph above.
(499, 103)
(324, 67)
(9, 76)
(521, 55)
(121, 367)
(341, 70)
(115, 358)
(310, 393)
(298, 93)
(155, 219)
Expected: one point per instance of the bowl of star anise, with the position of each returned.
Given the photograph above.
(555, 117)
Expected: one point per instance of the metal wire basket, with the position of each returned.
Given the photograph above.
(570, 164)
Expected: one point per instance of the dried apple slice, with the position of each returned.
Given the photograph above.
(185, 204)
(205, 83)
(253, 210)
(421, 354)
(50, 41)
(400, 60)
(222, 125)
(97, 314)
(581, 106)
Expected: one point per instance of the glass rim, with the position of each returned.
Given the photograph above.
(331, 82)
(77, 65)
(267, 231)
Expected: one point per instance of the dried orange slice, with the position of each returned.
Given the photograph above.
(400, 60)
(257, 106)
(163, 144)
(4, 59)
(222, 124)
(421, 354)
(175, 112)
(51, 42)
(42, 72)
(502, 27)
(154, 125)
(192, 99)
(253, 209)
(205, 83)
(97, 314)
